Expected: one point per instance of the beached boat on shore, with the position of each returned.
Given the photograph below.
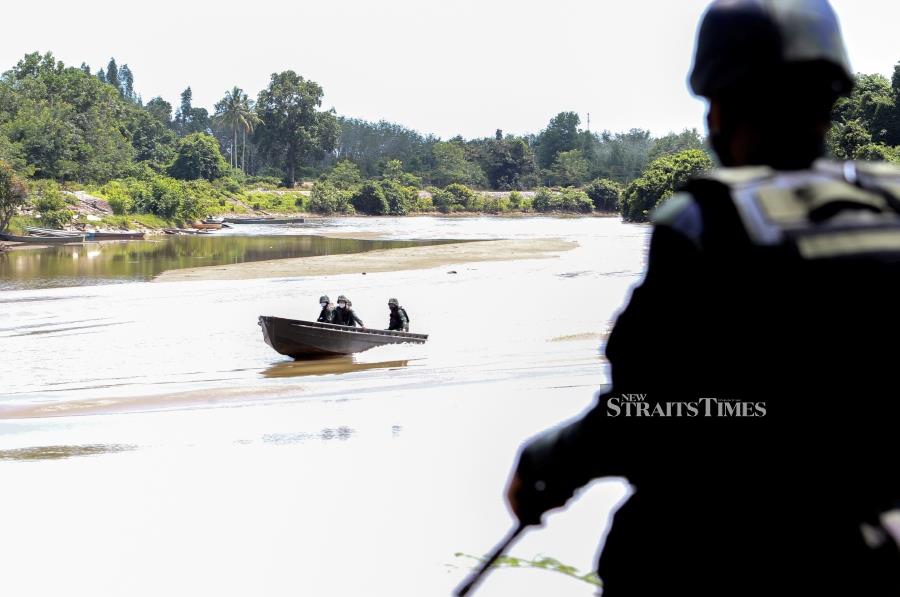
(115, 235)
(264, 220)
(44, 240)
(299, 339)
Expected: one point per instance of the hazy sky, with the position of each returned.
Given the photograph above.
(464, 67)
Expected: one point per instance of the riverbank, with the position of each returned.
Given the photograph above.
(388, 260)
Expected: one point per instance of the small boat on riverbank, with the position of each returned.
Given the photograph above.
(208, 225)
(264, 220)
(115, 235)
(299, 339)
(184, 231)
(44, 240)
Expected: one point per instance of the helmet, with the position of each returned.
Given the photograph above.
(324, 299)
(393, 301)
(747, 41)
(342, 298)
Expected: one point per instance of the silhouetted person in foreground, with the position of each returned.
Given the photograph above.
(753, 404)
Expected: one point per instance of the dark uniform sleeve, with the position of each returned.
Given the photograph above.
(404, 320)
(353, 317)
(559, 461)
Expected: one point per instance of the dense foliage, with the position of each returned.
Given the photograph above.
(867, 123)
(661, 179)
(73, 126)
(13, 194)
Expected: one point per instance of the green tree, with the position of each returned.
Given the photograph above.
(50, 205)
(189, 119)
(235, 112)
(660, 180)
(161, 110)
(126, 81)
(13, 195)
(370, 199)
(327, 199)
(344, 176)
(64, 123)
(844, 139)
(198, 156)
(605, 194)
(112, 75)
(675, 142)
(294, 130)
(393, 170)
(509, 163)
(575, 200)
(400, 199)
(560, 135)
(452, 166)
(569, 169)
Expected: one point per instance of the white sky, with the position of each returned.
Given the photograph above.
(447, 67)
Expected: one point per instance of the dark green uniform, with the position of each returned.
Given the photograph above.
(327, 315)
(346, 316)
(399, 321)
(771, 303)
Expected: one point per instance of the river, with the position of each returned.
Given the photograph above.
(154, 445)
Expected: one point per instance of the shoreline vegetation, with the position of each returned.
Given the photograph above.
(81, 148)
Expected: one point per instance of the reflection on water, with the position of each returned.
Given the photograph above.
(59, 452)
(341, 433)
(326, 365)
(105, 263)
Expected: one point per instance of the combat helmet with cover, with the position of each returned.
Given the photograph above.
(753, 43)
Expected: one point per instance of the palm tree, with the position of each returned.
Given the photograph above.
(235, 111)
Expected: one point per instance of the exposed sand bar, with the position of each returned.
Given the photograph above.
(386, 260)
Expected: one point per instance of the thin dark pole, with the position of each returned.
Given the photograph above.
(476, 576)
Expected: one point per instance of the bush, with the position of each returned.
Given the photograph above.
(116, 194)
(13, 194)
(442, 200)
(327, 199)
(462, 196)
(605, 194)
(515, 200)
(574, 200)
(345, 176)
(660, 180)
(51, 206)
(496, 205)
(544, 200)
(198, 157)
(424, 202)
(400, 199)
(370, 199)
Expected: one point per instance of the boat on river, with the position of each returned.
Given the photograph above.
(264, 220)
(44, 240)
(115, 235)
(300, 339)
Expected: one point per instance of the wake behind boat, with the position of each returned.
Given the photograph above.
(299, 339)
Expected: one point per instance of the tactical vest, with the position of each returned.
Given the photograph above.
(834, 210)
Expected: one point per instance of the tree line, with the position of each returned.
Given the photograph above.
(68, 124)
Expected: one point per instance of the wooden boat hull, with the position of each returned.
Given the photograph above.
(264, 220)
(302, 339)
(43, 240)
(102, 235)
(208, 226)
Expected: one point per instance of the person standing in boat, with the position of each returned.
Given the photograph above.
(399, 321)
(327, 313)
(344, 314)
